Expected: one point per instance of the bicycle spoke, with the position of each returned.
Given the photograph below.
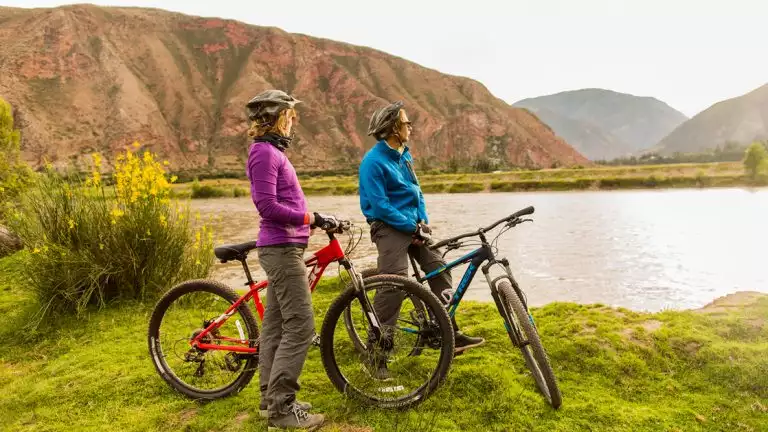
(364, 362)
(199, 369)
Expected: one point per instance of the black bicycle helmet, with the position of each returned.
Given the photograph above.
(267, 105)
(383, 119)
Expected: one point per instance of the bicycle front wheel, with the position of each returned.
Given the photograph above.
(386, 374)
(182, 314)
(354, 316)
(533, 351)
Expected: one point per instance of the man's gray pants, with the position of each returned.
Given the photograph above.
(394, 247)
(288, 326)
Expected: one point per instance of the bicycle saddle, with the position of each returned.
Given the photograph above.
(232, 252)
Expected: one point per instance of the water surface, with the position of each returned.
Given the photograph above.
(644, 250)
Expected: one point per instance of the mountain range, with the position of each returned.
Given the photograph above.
(740, 120)
(604, 124)
(85, 79)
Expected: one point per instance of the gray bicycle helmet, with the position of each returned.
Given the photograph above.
(268, 104)
(383, 119)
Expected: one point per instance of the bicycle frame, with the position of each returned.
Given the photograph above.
(317, 263)
(476, 258)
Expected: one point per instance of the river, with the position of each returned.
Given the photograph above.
(645, 250)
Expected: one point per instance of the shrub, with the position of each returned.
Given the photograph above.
(462, 187)
(14, 174)
(433, 187)
(238, 192)
(206, 191)
(346, 189)
(754, 159)
(92, 246)
(318, 190)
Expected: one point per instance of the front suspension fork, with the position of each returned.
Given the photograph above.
(374, 324)
(513, 332)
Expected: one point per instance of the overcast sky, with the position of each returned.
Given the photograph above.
(688, 53)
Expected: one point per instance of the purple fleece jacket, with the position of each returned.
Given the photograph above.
(278, 196)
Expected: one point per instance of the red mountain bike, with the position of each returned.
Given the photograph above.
(204, 339)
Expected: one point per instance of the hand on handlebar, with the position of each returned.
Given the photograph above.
(423, 234)
(327, 222)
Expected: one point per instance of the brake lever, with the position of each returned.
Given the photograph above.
(517, 221)
(343, 227)
(452, 246)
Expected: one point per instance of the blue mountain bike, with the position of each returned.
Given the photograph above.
(509, 299)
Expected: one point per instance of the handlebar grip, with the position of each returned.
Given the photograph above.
(526, 211)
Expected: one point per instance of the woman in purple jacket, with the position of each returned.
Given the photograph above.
(288, 326)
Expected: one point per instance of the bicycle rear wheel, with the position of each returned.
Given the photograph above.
(182, 314)
(407, 379)
(533, 351)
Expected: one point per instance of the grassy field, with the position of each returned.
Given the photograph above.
(722, 174)
(619, 371)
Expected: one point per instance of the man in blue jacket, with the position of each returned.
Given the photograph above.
(393, 204)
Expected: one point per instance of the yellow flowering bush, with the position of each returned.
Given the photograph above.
(93, 243)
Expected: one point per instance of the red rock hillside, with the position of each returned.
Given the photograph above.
(88, 79)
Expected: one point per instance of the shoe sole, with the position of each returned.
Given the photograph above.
(466, 347)
(308, 429)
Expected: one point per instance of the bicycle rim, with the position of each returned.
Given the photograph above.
(182, 314)
(533, 351)
(411, 378)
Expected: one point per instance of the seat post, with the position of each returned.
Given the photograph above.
(247, 271)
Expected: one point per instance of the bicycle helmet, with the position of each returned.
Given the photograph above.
(265, 106)
(383, 119)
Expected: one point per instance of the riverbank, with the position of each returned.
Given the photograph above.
(701, 175)
(619, 370)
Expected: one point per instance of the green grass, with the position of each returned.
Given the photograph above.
(687, 175)
(207, 191)
(619, 371)
(462, 187)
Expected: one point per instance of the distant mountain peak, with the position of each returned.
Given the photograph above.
(605, 124)
(741, 119)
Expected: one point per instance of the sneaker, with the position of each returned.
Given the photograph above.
(464, 342)
(296, 418)
(264, 408)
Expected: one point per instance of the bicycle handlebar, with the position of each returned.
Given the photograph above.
(342, 227)
(523, 212)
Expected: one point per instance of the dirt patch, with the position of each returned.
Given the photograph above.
(737, 300)
(187, 415)
(243, 416)
(237, 422)
(649, 326)
(757, 323)
(691, 348)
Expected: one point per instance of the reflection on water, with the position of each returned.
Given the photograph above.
(645, 250)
